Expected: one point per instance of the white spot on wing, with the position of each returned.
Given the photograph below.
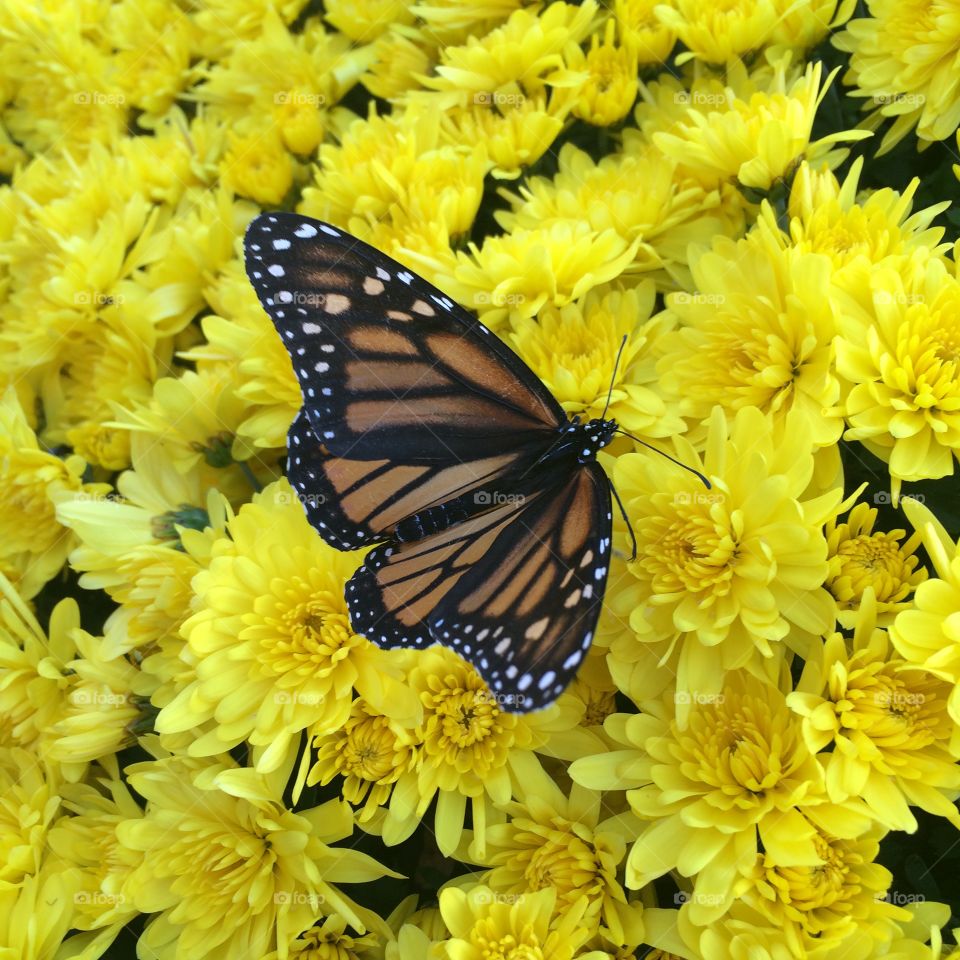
(306, 230)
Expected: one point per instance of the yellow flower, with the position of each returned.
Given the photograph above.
(88, 841)
(468, 746)
(29, 480)
(861, 559)
(736, 567)
(758, 332)
(572, 349)
(257, 166)
(802, 25)
(612, 88)
(737, 774)
(827, 217)
(30, 801)
(516, 274)
(272, 642)
(219, 843)
(898, 349)
(555, 841)
(329, 940)
(671, 212)
(370, 751)
(644, 34)
(886, 727)
(401, 57)
(367, 20)
(525, 925)
(903, 58)
(398, 169)
(755, 129)
(47, 900)
(927, 635)
(719, 32)
(223, 25)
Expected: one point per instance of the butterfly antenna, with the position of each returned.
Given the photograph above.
(613, 379)
(696, 473)
(623, 513)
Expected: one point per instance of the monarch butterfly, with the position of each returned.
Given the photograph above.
(423, 433)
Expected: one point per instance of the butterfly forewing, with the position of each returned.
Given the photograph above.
(516, 590)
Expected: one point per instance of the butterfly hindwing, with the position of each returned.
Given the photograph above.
(516, 590)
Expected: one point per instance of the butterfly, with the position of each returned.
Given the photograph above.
(424, 434)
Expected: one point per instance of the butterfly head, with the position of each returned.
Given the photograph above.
(592, 436)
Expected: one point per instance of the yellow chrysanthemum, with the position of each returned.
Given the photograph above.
(802, 24)
(886, 727)
(734, 568)
(556, 841)
(753, 129)
(257, 166)
(672, 211)
(898, 349)
(757, 332)
(862, 559)
(644, 34)
(365, 21)
(928, 636)
(227, 867)
(573, 349)
(484, 924)
(370, 751)
(47, 901)
(273, 647)
(225, 24)
(828, 217)
(516, 274)
(329, 940)
(609, 93)
(719, 32)
(737, 775)
(87, 840)
(30, 801)
(468, 746)
(399, 60)
(903, 58)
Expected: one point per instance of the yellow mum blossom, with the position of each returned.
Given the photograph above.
(46, 900)
(757, 332)
(226, 24)
(828, 217)
(754, 130)
(553, 840)
(927, 635)
(257, 166)
(719, 32)
(221, 844)
(886, 727)
(370, 751)
(239, 333)
(671, 212)
(529, 925)
(87, 840)
(735, 776)
(609, 93)
(455, 21)
(862, 559)
(644, 34)
(903, 58)
(735, 568)
(30, 802)
(29, 480)
(521, 57)
(271, 638)
(573, 349)
(802, 25)
(154, 44)
(516, 274)
(401, 57)
(329, 940)
(515, 131)
(468, 748)
(898, 350)
(396, 168)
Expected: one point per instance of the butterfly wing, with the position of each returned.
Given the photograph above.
(409, 401)
(516, 590)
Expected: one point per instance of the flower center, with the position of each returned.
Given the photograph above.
(873, 560)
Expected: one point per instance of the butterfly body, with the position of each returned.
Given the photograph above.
(425, 436)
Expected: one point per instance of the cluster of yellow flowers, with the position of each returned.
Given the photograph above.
(199, 758)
